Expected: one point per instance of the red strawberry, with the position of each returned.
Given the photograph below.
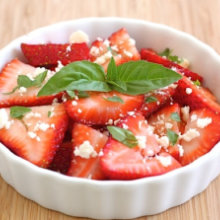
(96, 109)
(151, 56)
(8, 81)
(196, 97)
(62, 158)
(160, 96)
(147, 141)
(37, 136)
(119, 45)
(163, 120)
(81, 166)
(50, 54)
(202, 132)
(123, 163)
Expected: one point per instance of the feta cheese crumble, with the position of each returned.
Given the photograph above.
(185, 113)
(79, 37)
(188, 91)
(165, 161)
(141, 141)
(190, 134)
(203, 122)
(85, 150)
(3, 118)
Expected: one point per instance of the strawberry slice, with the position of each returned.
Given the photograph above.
(152, 56)
(147, 141)
(22, 96)
(157, 99)
(97, 109)
(62, 158)
(49, 54)
(188, 94)
(202, 132)
(119, 45)
(167, 118)
(122, 163)
(37, 136)
(88, 144)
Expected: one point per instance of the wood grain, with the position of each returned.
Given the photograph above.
(197, 17)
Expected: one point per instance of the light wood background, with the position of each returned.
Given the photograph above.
(198, 17)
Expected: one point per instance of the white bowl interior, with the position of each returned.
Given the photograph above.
(116, 199)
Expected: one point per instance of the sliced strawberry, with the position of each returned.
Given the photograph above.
(62, 159)
(96, 109)
(50, 54)
(119, 45)
(36, 137)
(26, 97)
(90, 141)
(163, 120)
(152, 56)
(123, 163)
(160, 96)
(202, 132)
(147, 141)
(188, 94)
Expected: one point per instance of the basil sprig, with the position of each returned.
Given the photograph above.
(26, 82)
(172, 136)
(132, 78)
(168, 54)
(18, 112)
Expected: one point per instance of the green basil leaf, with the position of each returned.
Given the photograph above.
(71, 94)
(79, 75)
(18, 111)
(197, 83)
(83, 94)
(150, 99)
(141, 77)
(172, 136)
(24, 81)
(168, 54)
(175, 117)
(115, 99)
(112, 71)
(38, 80)
(124, 136)
(49, 113)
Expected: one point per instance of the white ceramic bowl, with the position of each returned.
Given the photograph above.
(116, 199)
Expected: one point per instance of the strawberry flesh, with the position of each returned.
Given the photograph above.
(49, 54)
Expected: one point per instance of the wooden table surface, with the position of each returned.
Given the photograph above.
(197, 17)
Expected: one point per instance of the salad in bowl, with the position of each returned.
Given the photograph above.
(117, 110)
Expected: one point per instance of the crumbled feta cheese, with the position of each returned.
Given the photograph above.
(181, 150)
(150, 152)
(165, 161)
(203, 122)
(94, 51)
(106, 43)
(185, 63)
(102, 59)
(190, 134)
(110, 121)
(115, 48)
(131, 113)
(124, 126)
(41, 126)
(168, 125)
(79, 111)
(68, 49)
(188, 91)
(85, 150)
(79, 37)
(185, 113)
(141, 141)
(3, 118)
(194, 117)
(131, 41)
(22, 90)
(74, 103)
(32, 135)
(127, 53)
(8, 124)
(163, 141)
(32, 114)
(59, 66)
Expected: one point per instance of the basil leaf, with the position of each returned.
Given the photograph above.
(115, 99)
(141, 77)
(79, 75)
(168, 54)
(150, 99)
(71, 94)
(49, 113)
(18, 111)
(175, 116)
(24, 81)
(112, 70)
(197, 83)
(83, 94)
(38, 80)
(172, 136)
(124, 136)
